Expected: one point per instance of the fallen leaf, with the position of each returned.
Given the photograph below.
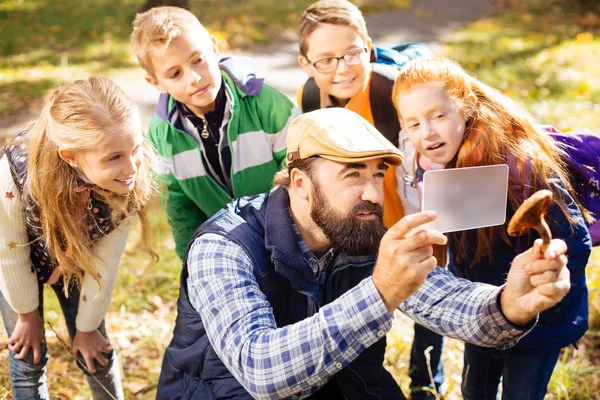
(68, 393)
(136, 386)
(584, 37)
(590, 20)
(425, 14)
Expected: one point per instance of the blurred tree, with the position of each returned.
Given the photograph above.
(154, 3)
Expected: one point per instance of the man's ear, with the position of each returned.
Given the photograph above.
(300, 183)
(369, 45)
(154, 82)
(305, 64)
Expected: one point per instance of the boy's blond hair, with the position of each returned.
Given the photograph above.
(336, 12)
(156, 28)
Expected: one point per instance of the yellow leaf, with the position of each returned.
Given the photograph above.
(425, 14)
(136, 386)
(402, 3)
(67, 393)
(584, 37)
(584, 87)
(60, 367)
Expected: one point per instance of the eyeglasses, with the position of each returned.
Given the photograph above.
(330, 64)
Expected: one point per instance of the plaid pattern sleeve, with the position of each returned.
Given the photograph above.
(463, 310)
(288, 362)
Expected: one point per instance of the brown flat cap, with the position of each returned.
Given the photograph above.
(338, 134)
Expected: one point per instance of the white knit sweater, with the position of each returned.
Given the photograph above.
(17, 282)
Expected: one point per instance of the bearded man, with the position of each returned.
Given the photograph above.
(290, 294)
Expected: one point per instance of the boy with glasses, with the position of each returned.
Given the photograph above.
(335, 52)
(219, 131)
(330, 64)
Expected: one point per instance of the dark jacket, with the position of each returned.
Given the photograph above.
(567, 321)
(192, 370)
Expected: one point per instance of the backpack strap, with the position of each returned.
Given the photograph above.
(311, 96)
(384, 112)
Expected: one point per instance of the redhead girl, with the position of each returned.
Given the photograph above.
(456, 121)
(71, 187)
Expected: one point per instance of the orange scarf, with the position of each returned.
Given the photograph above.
(392, 205)
(361, 104)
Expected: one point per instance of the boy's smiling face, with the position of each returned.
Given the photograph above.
(330, 40)
(188, 70)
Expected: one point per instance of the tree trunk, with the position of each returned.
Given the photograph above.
(154, 3)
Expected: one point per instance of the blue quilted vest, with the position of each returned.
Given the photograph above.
(262, 226)
(567, 321)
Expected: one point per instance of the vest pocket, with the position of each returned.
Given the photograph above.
(194, 388)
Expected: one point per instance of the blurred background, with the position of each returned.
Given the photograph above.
(543, 53)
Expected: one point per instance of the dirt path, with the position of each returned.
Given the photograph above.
(428, 21)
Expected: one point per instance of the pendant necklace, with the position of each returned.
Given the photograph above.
(204, 133)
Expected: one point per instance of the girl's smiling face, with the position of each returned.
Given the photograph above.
(432, 121)
(113, 163)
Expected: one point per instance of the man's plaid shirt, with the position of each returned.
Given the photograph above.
(296, 360)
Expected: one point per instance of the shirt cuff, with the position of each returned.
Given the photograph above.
(368, 315)
(522, 328)
(508, 333)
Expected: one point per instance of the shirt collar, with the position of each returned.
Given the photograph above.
(308, 255)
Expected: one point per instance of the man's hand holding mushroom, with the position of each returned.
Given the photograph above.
(536, 281)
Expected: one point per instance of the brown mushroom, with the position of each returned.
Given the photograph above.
(530, 214)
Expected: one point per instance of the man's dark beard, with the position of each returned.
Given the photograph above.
(348, 233)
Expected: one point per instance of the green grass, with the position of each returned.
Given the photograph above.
(248, 23)
(574, 378)
(140, 320)
(542, 54)
(46, 42)
(537, 54)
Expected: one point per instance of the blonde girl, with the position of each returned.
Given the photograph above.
(71, 186)
(456, 121)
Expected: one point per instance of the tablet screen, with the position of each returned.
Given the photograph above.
(466, 198)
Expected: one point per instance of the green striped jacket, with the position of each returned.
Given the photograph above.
(256, 118)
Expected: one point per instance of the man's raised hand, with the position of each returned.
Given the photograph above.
(405, 258)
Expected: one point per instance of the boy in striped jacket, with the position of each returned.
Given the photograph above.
(219, 131)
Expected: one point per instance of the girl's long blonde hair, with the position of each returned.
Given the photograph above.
(77, 117)
(497, 131)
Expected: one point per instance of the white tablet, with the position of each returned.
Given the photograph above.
(466, 198)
